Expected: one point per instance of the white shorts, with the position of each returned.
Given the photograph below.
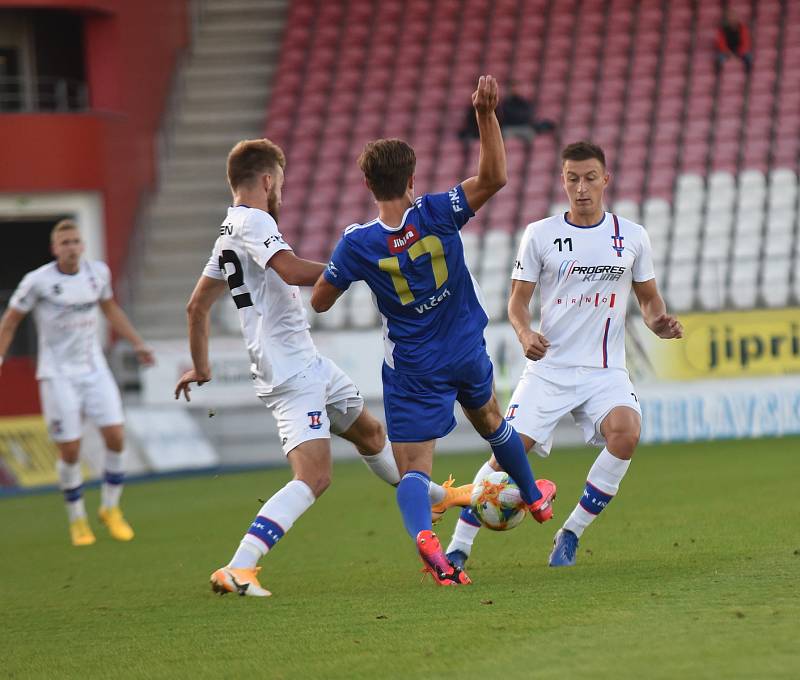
(589, 394)
(313, 403)
(66, 401)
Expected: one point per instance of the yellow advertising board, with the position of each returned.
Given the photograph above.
(724, 345)
(26, 452)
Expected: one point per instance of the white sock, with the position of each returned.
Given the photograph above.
(383, 464)
(465, 533)
(436, 493)
(111, 491)
(70, 481)
(602, 485)
(274, 519)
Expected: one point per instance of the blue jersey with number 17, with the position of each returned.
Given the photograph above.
(427, 297)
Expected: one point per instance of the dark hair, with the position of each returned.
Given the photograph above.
(582, 151)
(252, 157)
(387, 165)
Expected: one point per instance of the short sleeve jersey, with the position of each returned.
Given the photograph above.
(584, 275)
(271, 313)
(65, 311)
(427, 298)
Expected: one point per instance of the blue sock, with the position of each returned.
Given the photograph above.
(468, 516)
(510, 453)
(412, 498)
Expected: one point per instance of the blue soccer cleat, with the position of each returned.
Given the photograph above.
(458, 558)
(565, 546)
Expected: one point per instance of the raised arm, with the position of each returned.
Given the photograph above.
(204, 295)
(492, 173)
(654, 311)
(295, 270)
(123, 327)
(534, 345)
(8, 328)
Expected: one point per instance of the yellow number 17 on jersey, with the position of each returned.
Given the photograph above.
(431, 245)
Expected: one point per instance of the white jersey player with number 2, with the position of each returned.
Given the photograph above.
(309, 396)
(585, 263)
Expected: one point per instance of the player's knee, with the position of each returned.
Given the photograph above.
(114, 438)
(375, 438)
(69, 451)
(318, 481)
(623, 442)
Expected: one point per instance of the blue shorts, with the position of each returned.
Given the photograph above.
(420, 407)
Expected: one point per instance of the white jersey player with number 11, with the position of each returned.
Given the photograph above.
(585, 263)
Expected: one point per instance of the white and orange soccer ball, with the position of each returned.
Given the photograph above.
(497, 503)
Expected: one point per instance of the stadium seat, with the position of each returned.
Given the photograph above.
(361, 310)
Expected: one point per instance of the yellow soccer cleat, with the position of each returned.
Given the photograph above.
(240, 581)
(118, 527)
(80, 532)
(454, 495)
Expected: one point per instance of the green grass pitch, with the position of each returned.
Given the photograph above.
(693, 571)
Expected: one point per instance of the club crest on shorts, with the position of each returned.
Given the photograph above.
(315, 420)
(512, 412)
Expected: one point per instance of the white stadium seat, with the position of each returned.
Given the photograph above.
(711, 291)
(496, 252)
(721, 182)
(743, 288)
(775, 281)
(627, 209)
(751, 197)
(719, 221)
(472, 253)
(656, 209)
(783, 177)
(363, 313)
(752, 178)
(690, 182)
(687, 223)
(335, 317)
(715, 247)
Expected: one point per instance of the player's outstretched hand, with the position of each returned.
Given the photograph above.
(534, 345)
(144, 355)
(191, 376)
(486, 96)
(667, 327)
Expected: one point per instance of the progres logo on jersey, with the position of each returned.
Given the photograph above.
(600, 272)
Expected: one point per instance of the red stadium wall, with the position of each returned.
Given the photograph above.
(131, 47)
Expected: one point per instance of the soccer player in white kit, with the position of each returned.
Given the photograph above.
(309, 396)
(74, 377)
(585, 263)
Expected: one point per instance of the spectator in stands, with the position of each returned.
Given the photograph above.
(733, 39)
(517, 116)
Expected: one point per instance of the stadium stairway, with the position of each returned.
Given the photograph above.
(222, 93)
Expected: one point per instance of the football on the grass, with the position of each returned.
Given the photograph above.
(497, 503)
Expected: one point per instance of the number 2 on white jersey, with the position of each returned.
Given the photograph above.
(236, 279)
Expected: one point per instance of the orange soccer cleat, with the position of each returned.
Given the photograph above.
(240, 581)
(454, 495)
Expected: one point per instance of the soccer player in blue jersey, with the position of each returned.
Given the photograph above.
(412, 258)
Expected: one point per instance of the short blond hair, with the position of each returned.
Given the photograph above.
(64, 225)
(253, 157)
